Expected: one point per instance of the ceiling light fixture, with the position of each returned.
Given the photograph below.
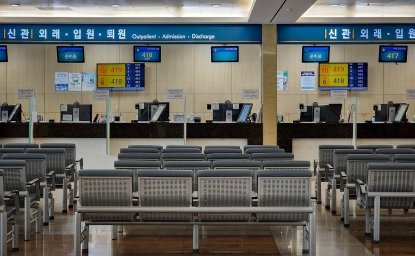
(335, 5)
(14, 5)
(115, 5)
(215, 5)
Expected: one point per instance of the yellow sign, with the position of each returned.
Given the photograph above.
(111, 81)
(334, 75)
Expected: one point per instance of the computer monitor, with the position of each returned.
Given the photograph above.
(306, 114)
(160, 109)
(76, 113)
(381, 113)
(333, 113)
(401, 113)
(11, 113)
(388, 112)
(146, 111)
(226, 112)
(244, 113)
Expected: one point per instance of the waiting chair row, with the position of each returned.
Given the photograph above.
(167, 197)
(248, 149)
(201, 156)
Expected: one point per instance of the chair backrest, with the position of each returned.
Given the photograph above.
(187, 165)
(357, 165)
(165, 189)
(236, 164)
(139, 156)
(21, 145)
(325, 153)
(392, 177)
(226, 156)
(286, 164)
(70, 150)
(394, 151)
(184, 146)
(183, 157)
(222, 146)
(35, 167)
(134, 166)
(222, 188)
(139, 150)
(272, 156)
(14, 174)
(373, 147)
(405, 158)
(263, 150)
(273, 190)
(222, 150)
(260, 146)
(55, 159)
(339, 159)
(159, 148)
(106, 187)
(181, 150)
(406, 146)
(2, 206)
(10, 150)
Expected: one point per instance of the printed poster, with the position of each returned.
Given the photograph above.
(88, 82)
(308, 81)
(75, 82)
(282, 80)
(61, 81)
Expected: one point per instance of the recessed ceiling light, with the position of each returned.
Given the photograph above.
(14, 5)
(215, 5)
(334, 5)
(115, 5)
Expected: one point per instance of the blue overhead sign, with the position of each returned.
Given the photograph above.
(346, 33)
(129, 33)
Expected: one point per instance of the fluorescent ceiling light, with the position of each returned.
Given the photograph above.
(14, 5)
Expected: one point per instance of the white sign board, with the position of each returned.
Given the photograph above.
(308, 81)
(339, 94)
(250, 94)
(174, 94)
(75, 82)
(61, 81)
(282, 80)
(25, 93)
(88, 82)
(410, 94)
(100, 94)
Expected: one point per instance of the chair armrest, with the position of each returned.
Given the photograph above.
(70, 170)
(361, 187)
(329, 171)
(343, 180)
(315, 164)
(52, 177)
(35, 183)
(80, 161)
(10, 196)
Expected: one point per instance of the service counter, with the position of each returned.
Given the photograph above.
(252, 132)
(287, 132)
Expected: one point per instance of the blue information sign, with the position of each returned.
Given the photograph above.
(316, 53)
(147, 53)
(357, 76)
(393, 53)
(224, 54)
(130, 33)
(350, 33)
(70, 54)
(3, 53)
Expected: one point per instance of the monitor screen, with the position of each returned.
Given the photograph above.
(70, 54)
(333, 113)
(343, 76)
(316, 53)
(147, 53)
(146, 111)
(121, 76)
(76, 113)
(393, 53)
(11, 113)
(401, 113)
(3, 53)
(244, 113)
(224, 54)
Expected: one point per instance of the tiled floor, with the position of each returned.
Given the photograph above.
(397, 238)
